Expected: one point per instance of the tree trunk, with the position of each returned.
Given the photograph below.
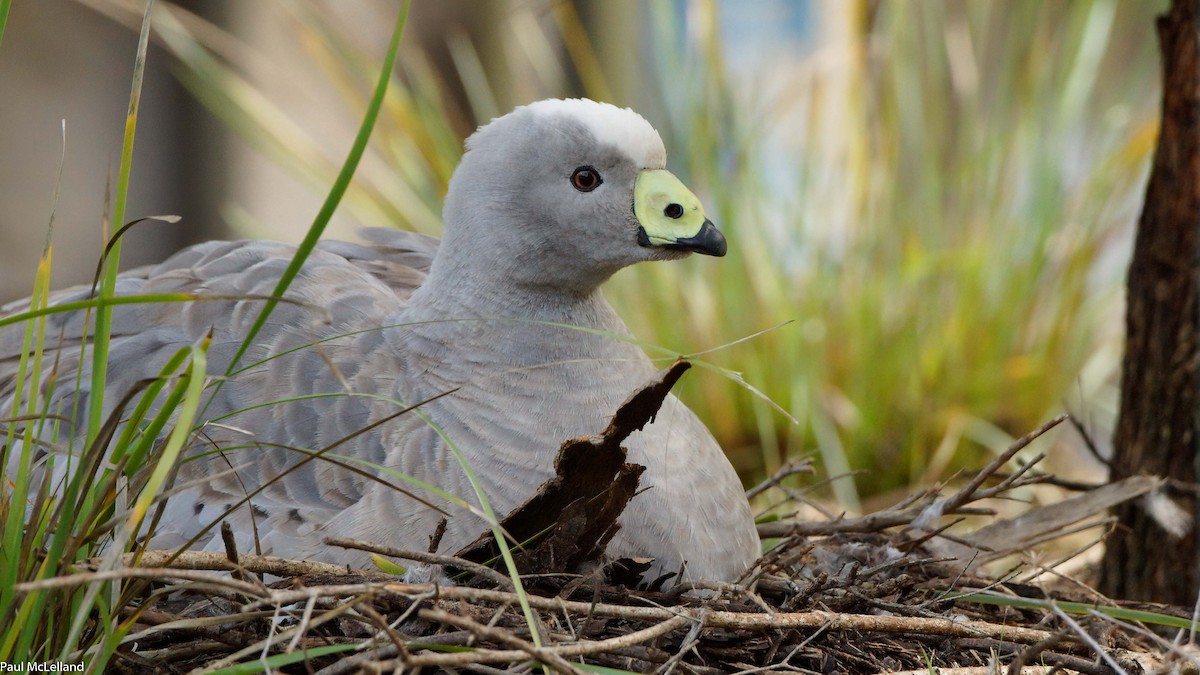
(1159, 418)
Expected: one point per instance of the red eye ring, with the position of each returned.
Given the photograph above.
(586, 179)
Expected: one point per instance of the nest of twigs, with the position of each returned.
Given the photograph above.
(890, 592)
(901, 615)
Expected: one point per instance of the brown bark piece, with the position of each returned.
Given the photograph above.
(1157, 427)
(573, 516)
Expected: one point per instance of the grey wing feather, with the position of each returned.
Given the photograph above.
(317, 344)
(397, 258)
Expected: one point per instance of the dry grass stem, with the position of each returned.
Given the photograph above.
(872, 594)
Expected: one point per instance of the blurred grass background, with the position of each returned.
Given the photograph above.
(938, 195)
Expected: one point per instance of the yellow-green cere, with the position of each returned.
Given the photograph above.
(666, 209)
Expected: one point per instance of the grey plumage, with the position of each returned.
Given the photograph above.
(506, 311)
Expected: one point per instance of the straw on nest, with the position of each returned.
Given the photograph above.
(889, 592)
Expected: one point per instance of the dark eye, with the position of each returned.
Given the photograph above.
(673, 211)
(586, 179)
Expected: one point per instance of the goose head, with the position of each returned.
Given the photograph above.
(560, 194)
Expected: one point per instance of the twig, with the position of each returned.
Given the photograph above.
(302, 627)
(967, 493)
(1089, 443)
(178, 652)
(201, 579)
(978, 670)
(1017, 665)
(541, 654)
(1151, 662)
(1058, 660)
(231, 553)
(1087, 639)
(689, 641)
(793, 467)
(258, 564)
(715, 619)
(903, 516)
(264, 645)
(211, 628)
(435, 539)
(564, 651)
(429, 558)
(382, 623)
(376, 654)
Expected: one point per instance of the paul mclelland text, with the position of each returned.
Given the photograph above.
(40, 667)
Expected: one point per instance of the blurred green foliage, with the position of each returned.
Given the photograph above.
(938, 195)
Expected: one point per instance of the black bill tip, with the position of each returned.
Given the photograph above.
(708, 241)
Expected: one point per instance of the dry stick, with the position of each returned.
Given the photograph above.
(197, 575)
(686, 644)
(382, 622)
(565, 651)
(796, 497)
(275, 639)
(1057, 660)
(1148, 661)
(967, 493)
(715, 619)
(259, 564)
(793, 467)
(352, 662)
(435, 539)
(430, 558)
(212, 628)
(1087, 639)
(301, 626)
(978, 670)
(879, 521)
(786, 662)
(1029, 544)
(369, 655)
(231, 554)
(1033, 651)
(1051, 569)
(1090, 444)
(540, 654)
(183, 652)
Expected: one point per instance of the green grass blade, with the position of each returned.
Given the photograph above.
(20, 539)
(186, 407)
(271, 663)
(336, 191)
(125, 445)
(314, 456)
(498, 532)
(123, 300)
(108, 281)
(177, 440)
(11, 550)
(5, 5)
(1152, 618)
